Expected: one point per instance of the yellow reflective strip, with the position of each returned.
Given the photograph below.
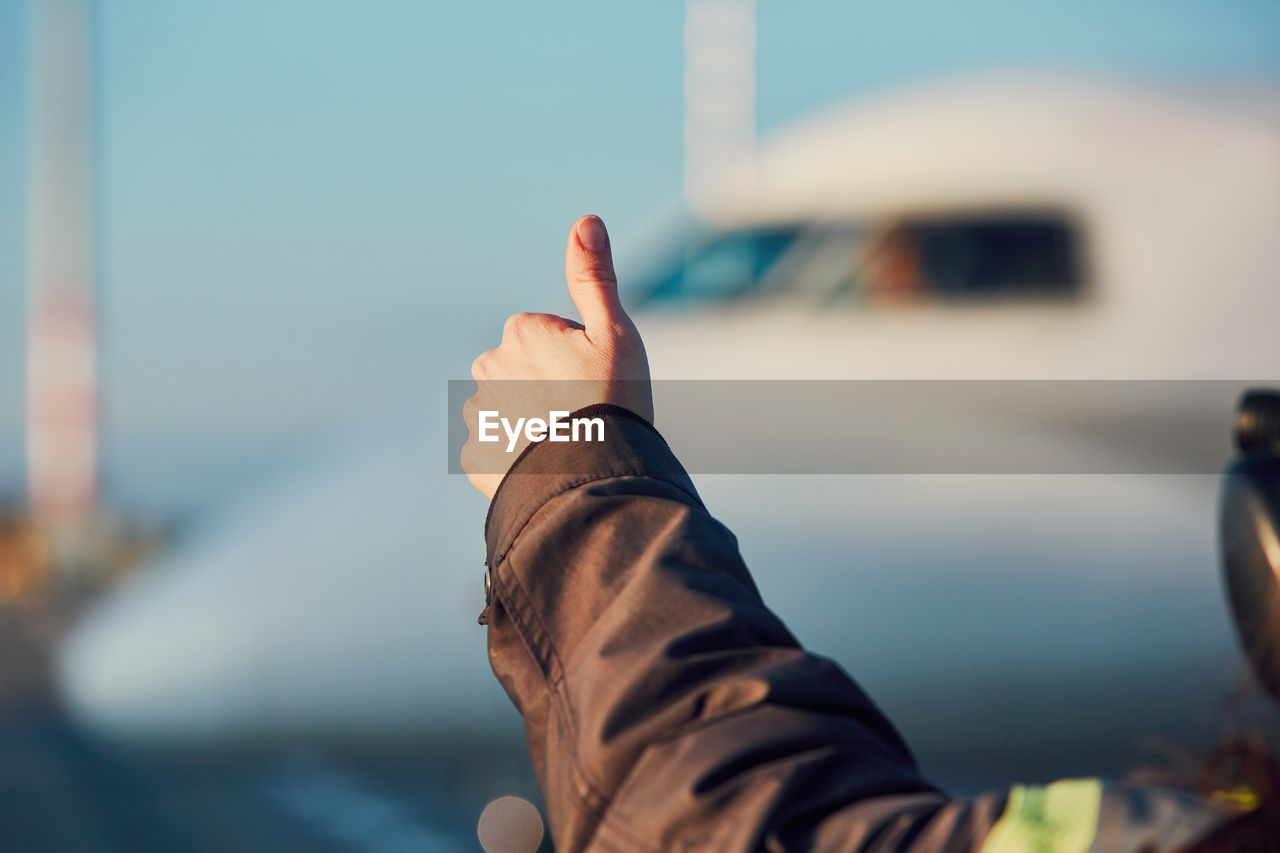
(1241, 797)
(1057, 818)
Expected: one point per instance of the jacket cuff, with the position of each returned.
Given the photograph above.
(631, 447)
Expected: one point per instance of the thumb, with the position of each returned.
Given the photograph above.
(588, 268)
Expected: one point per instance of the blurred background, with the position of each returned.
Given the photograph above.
(243, 246)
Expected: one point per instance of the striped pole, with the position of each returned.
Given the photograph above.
(62, 443)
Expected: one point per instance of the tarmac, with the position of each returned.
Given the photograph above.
(60, 790)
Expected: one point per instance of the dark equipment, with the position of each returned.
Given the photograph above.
(1249, 533)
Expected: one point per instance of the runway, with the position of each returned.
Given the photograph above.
(60, 790)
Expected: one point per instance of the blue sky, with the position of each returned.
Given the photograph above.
(312, 211)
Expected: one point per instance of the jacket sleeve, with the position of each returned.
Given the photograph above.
(665, 706)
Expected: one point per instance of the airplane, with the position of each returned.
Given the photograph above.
(1016, 628)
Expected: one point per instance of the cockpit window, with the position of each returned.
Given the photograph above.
(725, 266)
(974, 257)
(936, 258)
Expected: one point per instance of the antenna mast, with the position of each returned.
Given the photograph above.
(719, 92)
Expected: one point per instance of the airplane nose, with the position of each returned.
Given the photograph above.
(165, 661)
(342, 604)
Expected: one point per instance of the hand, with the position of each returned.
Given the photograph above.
(600, 360)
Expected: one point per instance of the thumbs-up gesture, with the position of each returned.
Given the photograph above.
(571, 364)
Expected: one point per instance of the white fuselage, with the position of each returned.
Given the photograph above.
(1022, 626)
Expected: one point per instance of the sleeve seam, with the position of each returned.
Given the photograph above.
(520, 613)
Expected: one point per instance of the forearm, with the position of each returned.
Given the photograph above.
(658, 690)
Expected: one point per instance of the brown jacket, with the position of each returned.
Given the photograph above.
(666, 708)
